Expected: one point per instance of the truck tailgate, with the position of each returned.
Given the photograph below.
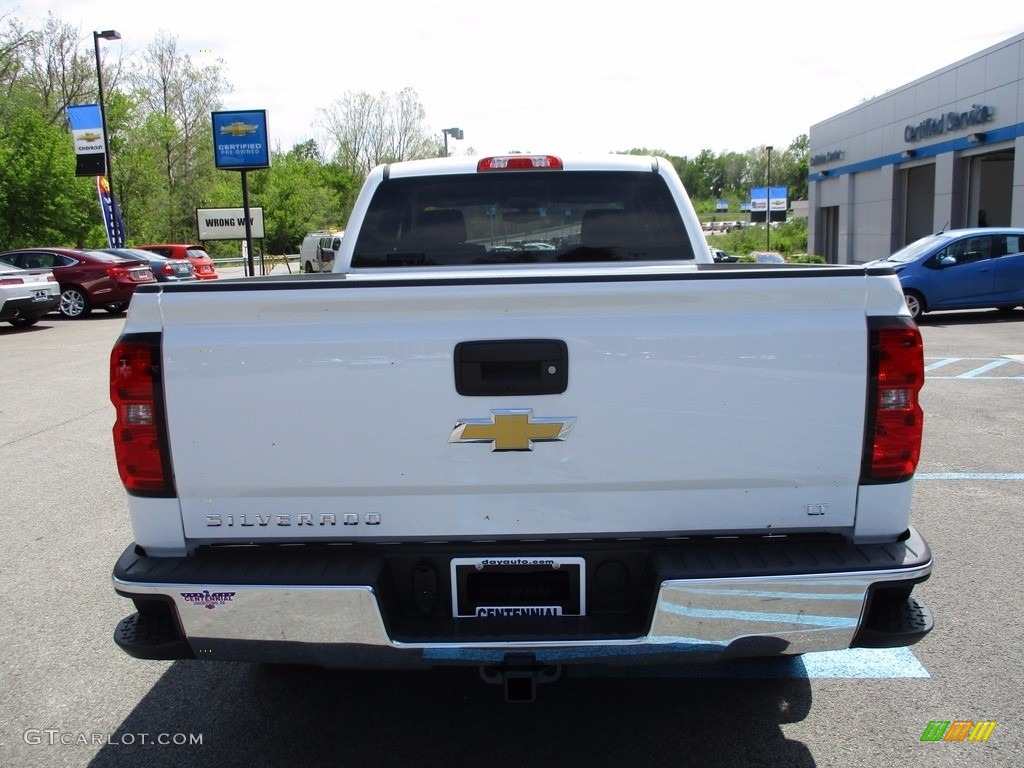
(696, 403)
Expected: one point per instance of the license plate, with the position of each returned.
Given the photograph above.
(518, 587)
(39, 296)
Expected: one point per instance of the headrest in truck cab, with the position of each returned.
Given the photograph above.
(611, 228)
(446, 227)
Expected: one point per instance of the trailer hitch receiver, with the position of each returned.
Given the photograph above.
(519, 674)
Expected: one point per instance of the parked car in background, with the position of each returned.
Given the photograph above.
(201, 261)
(87, 279)
(164, 268)
(768, 257)
(975, 268)
(25, 296)
(722, 257)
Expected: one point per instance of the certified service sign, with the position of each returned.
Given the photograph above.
(240, 140)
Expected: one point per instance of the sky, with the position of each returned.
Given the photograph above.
(559, 77)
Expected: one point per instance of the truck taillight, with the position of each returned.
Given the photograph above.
(140, 427)
(895, 421)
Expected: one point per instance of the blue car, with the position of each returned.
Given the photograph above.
(962, 269)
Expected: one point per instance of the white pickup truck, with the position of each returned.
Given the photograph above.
(555, 432)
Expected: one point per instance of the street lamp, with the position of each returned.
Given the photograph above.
(107, 34)
(768, 204)
(455, 133)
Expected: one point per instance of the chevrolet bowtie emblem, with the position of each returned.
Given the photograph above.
(238, 128)
(511, 430)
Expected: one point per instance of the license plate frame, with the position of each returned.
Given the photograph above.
(513, 586)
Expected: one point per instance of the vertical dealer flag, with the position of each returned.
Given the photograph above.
(87, 133)
(111, 213)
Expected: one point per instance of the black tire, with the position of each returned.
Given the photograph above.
(117, 309)
(23, 322)
(74, 304)
(915, 303)
(308, 269)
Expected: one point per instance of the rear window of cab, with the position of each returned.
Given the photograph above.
(550, 216)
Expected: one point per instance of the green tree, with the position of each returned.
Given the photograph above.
(14, 44)
(798, 166)
(57, 70)
(369, 130)
(173, 99)
(295, 198)
(734, 171)
(41, 200)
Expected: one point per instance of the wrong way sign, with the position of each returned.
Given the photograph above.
(228, 223)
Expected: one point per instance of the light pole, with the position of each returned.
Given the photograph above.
(107, 34)
(455, 133)
(768, 205)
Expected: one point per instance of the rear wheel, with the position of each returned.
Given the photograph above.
(23, 322)
(117, 309)
(309, 267)
(74, 304)
(915, 303)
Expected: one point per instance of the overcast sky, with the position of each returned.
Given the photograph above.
(560, 76)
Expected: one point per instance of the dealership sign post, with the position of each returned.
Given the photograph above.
(240, 143)
(769, 204)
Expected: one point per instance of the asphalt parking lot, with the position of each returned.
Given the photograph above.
(69, 697)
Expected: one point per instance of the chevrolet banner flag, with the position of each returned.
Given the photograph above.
(111, 214)
(87, 133)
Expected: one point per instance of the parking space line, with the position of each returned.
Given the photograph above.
(942, 362)
(980, 368)
(983, 369)
(969, 476)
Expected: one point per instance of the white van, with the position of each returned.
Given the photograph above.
(318, 249)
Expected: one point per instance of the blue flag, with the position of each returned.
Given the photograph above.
(111, 212)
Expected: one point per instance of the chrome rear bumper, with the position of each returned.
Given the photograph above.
(702, 602)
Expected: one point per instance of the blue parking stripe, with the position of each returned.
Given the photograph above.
(855, 663)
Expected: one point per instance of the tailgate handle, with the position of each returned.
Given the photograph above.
(511, 367)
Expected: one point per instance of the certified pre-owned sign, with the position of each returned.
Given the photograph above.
(228, 223)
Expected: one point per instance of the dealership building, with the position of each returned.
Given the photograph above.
(937, 153)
